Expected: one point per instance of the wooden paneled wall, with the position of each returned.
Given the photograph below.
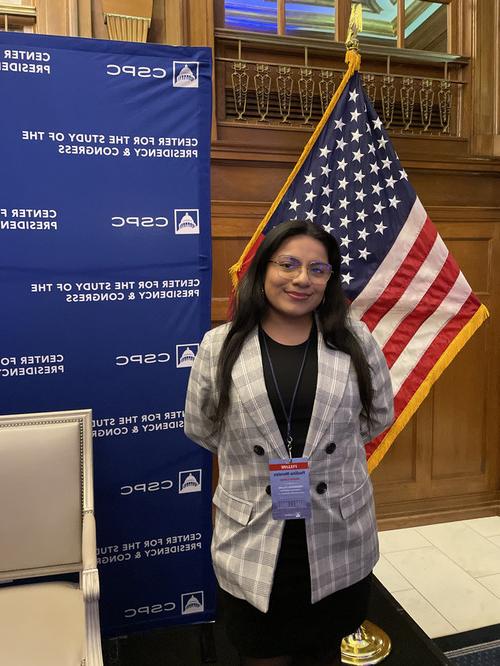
(446, 463)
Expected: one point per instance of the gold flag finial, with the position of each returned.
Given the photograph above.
(355, 26)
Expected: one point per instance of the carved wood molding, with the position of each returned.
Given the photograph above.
(464, 214)
(16, 17)
(437, 510)
(17, 10)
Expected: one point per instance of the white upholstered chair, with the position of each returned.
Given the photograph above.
(47, 527)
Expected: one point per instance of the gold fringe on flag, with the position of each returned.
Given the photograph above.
(423, 390)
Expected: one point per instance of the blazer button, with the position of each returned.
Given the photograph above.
(330, 448)
(268, 490)
(258, 450)
(321, 488)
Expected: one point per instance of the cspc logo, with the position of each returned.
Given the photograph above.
(146, 487)
(142, 359)
(147, 222)
(190, 481)
(187, 221)
(186, 354)
(185, 74)
(146, 611)
(142, 72)
(192, 602)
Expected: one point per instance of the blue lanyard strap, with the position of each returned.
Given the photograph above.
(288, 415)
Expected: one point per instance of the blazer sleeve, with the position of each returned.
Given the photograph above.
(200, 403)
(382, 412)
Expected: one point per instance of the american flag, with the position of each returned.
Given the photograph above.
(396, 270)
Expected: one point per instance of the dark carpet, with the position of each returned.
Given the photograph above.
(480, 647)
(479, 655)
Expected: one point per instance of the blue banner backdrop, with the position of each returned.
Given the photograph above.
(105, 280)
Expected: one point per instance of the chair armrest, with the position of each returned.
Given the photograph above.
(90, 575)
(89, 582)
(89, 547)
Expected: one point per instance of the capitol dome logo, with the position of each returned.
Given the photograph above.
(192, 602)
(187, 221)
(186, 354)
(185, 74)
(190, 481)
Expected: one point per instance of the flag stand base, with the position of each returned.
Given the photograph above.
(368, 645)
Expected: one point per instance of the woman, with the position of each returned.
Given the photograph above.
(290, 378)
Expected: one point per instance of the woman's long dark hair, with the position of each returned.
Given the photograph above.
(250, 306)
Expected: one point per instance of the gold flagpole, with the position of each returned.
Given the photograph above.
(369, 644)
(355, 27)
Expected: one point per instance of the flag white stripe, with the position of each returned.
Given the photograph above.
(414, 292)
(392, 261)
(429, 330)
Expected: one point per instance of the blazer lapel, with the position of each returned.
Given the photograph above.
(248, 377)
(333, 374)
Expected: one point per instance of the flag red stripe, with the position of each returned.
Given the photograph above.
(403, 276)
(434, 352)
(429, 302)
(427, 362)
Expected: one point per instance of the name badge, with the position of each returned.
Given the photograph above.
(290, 489)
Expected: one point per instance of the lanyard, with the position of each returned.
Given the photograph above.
(288, 415)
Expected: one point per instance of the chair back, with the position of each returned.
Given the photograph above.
(45, 487)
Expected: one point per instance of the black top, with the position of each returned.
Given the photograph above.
(286, 360)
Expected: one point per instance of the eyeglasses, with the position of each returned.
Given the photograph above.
(291, 267)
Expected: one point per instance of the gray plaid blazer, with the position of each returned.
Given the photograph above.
(341, 535)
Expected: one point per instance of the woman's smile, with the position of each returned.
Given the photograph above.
(297, 295)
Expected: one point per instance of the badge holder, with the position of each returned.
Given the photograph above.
(290, 489)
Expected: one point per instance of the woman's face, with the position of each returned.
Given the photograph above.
(295, 295)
